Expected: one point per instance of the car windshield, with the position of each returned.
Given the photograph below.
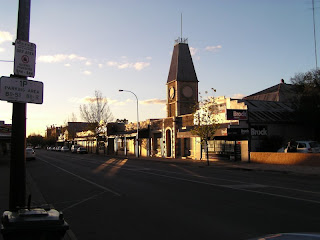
(29, 150)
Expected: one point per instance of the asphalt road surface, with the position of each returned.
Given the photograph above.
(114, 198)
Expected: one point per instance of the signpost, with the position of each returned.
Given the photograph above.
(21, 90)
(24, 58)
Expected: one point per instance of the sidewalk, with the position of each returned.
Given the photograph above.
(37, 200)
(235, 165)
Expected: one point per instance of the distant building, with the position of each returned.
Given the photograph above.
(263, 121)
(53, 132)
(281, 92)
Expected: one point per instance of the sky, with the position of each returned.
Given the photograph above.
(239, 47)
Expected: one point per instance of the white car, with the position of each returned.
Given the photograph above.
(30, 154)
(306, 147)
(74, 148)
(64, 149)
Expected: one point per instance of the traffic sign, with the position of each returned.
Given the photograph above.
(21, 90)
(24, 58)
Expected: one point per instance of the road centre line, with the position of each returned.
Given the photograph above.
(233, 186)
(223, 179)
(228, 186)
(82, 178)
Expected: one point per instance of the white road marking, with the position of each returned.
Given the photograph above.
(227, 186)
(84, 179)
(234, 186)
(240, 186)
(84, 200)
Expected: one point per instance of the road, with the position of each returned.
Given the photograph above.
(113, 198)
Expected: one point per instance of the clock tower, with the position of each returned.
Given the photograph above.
(182, 83)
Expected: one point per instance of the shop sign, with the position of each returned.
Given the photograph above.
(238, 131)
(237, 114)
(259, 131)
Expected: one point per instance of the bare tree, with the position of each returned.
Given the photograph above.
(205, 123)
(96, 112)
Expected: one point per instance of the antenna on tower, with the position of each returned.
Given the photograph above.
(181, 25)
(180, 39)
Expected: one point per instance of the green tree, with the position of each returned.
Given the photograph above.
(96, 112)
(49, 141)
(205, 122)
(307, 102)
(35, 140)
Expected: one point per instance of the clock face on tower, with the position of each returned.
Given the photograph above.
(187, 91)
(171, 93)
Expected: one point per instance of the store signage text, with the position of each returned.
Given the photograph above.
(259, 131)
(237, 114)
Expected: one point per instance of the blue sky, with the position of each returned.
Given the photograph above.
(238, 47)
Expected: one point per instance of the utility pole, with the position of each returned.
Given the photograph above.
(17, 196)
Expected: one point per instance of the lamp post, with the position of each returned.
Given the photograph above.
(137, 138)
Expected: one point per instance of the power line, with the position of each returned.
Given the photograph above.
(6, 61)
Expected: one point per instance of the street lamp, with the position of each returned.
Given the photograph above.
(137, 138)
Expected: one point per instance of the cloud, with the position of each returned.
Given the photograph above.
(141, 65)
(74, 100)
(112, 64)
(86, 72)
(2, 49)
(123, 66)
(88, 99)
(5, 36)
(153, 101)
(100, 65)
(60, 58)
(127, 65)
(193, 51)
(213, 48)
(67, 65)
(238, 96)
(88, 63)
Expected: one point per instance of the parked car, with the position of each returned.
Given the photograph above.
(30, 154)
(64, 149)
(58, 148)
(74, 148)
(305, 147)
(82, 150)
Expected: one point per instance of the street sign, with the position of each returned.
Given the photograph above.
(21, 90)
(24, 58)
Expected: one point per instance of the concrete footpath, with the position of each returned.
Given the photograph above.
(39, 201)
(236, 165)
